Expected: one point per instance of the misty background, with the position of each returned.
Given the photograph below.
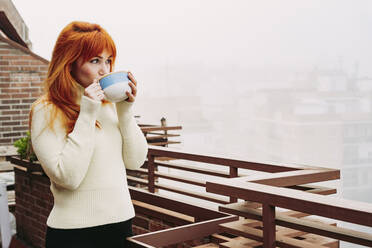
(284, 81)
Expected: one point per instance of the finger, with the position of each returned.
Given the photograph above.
(93, 86)
(130, 97)
(98, 91)
(134, 88)
(96, 83)
(101, 97)
(131, 78)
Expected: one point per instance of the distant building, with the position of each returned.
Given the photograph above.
(325, 121)
(21, 74)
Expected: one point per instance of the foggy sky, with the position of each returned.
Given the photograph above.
(198, 63)
(288, 33)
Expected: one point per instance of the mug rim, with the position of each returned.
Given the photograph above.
(108, 74)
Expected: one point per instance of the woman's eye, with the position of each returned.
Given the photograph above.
(94, 61)
(109, 61)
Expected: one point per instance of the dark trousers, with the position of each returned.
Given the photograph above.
(110, 236)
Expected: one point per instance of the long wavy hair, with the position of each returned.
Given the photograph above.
(77, 40)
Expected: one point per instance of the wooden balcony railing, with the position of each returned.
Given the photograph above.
(279, 205)
(255, 192)
(280, 175)
(160, 135)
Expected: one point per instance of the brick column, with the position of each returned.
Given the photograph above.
(33, 204)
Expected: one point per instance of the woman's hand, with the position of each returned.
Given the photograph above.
(94, 91)
(133, 86)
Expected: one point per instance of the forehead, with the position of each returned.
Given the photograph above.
(105, 54)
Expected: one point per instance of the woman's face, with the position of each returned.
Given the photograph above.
(85, 72)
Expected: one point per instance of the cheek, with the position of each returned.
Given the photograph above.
(85, 76)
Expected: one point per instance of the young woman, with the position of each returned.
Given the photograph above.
(84, 143)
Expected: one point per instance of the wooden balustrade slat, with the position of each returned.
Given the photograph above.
(137, 180)
(290, 233)
(319, 240)
(240, 228)
(240, 242)
(160, 128)
(168, 176)
(164, 143)
(161, 136)
(168, 134)
(162, 201)
(142, 171)
(178, 234)
(247, 210)
(191, 168)
(181, 179)
(310, 225)
(195, 194)
(315, 189)
(164, 211)
(209, 245)
(290, 178)
(321, 205)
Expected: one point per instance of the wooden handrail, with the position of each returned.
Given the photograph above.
(218, 160)
(326, 206)
(320, 205)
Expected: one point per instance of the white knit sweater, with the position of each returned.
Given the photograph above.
(87, 166)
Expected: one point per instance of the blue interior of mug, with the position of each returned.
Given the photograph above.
(113, 79)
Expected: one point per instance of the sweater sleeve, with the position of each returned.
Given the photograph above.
(134, 143)
(65, 158)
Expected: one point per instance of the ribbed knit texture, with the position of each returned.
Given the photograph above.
(87, 166)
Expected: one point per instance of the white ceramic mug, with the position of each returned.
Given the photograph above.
(114, 85)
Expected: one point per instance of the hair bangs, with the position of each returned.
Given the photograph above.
(95, 43)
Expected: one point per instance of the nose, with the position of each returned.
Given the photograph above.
(103, 70)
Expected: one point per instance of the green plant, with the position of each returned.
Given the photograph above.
(24, 148)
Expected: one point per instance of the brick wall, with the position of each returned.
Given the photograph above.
(21, 77)
(33, 205)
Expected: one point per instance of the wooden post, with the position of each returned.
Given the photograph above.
(268, 217)
(151, 173)
(163, 122)
(4, 216)
(233, 173)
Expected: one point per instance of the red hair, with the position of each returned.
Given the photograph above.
(77, 40)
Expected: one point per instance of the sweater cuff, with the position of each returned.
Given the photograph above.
(124, 109)
(90, 106)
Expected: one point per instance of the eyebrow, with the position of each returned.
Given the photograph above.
(102, 57)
